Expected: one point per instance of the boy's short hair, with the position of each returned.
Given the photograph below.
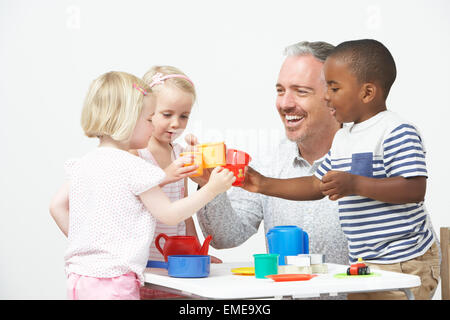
(112, 105)
(369, 60)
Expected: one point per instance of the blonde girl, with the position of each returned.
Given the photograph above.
(175, 95)
(105, 206)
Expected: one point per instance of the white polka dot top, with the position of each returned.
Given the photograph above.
(110, 230)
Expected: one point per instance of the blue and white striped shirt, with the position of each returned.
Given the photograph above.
(380, 147)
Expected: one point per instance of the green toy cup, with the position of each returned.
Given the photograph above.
(265, 264)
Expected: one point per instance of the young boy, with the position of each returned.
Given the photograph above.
(375, 168)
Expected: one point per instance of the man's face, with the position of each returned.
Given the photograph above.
(300, 101)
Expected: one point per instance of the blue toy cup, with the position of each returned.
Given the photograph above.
(287, 241)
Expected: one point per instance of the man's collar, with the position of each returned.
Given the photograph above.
(298, 160)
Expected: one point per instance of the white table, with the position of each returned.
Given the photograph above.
(222, 284)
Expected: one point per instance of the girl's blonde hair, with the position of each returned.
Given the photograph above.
(179, 83)
(113, 105)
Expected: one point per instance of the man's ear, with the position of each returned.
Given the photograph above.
(368, 92)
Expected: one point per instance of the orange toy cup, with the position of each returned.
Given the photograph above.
(213, 154)
(236, 162)
(198, 160)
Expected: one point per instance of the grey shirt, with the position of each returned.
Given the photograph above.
(232, 217)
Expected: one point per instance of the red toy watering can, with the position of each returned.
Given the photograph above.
(179, 245)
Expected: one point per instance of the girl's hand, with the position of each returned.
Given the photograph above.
(192, 141)
(177, 171)
(221, 180)
(203, 179)
(338, 184)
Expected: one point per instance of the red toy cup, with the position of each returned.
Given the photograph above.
(236, 162)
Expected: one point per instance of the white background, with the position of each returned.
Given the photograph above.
(52, 50)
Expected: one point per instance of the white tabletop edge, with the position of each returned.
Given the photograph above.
(222, 284)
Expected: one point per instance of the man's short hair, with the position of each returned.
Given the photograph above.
(369, 60)
(319, 49)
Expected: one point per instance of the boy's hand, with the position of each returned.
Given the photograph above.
(252, 180)
(176, 170)
(338, 184)
(221, 180)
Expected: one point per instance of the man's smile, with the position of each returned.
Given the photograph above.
(292, 120)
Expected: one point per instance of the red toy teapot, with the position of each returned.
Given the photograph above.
(176, 245)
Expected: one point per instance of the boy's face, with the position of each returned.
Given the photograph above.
(343, 90)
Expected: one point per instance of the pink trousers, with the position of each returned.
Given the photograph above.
(124, 287)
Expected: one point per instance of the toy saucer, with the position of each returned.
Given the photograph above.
(244, 271)
(291, 277)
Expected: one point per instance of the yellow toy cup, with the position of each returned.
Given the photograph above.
(213, 154)
(198, 160)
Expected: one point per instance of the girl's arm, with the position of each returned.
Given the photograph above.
(172, 213)
(395, 190)
(59, 208)
(303, 188)
(189, 222)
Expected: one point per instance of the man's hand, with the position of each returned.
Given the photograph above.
(338, 184)
(215, 259)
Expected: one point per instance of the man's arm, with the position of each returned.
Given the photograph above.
(231, 225)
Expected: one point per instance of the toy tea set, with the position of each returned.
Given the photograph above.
(289, 258)
(184, 256)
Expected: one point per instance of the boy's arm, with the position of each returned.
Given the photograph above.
(337, 184)
(59, 208)
(303, 188)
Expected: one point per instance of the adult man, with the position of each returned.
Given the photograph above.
(310, 127)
